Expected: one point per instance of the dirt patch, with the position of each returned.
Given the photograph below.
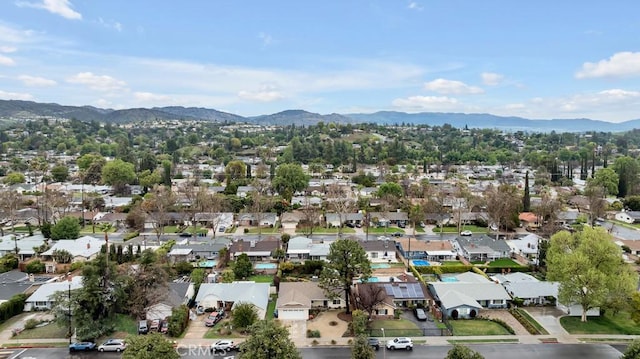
(323, 323)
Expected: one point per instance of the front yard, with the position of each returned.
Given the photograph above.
(394, 328)
(620, 323)
(325, 230)
(472, 228)
(473, 327)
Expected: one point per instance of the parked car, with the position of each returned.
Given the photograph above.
(374, 343)
(164, 326)
(185, 234)
(397, 234)
(420, 314)
(113, 345)
(214, 318)
(82, 346)
(400, 343)
(466, 233)
(155, 325)
(223, 346)
(222, 229)
(143, 328)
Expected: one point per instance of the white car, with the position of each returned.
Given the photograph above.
(466, 233)
(223, 346)
(400, 343)
(113, 345)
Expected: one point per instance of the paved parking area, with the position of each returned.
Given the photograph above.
(429, 327)
(549, 318)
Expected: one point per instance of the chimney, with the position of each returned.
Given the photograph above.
(88, 245)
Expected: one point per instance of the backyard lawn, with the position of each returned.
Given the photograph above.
(395, 328)
(505, 262)
(620, 323)
(261, 278)
(271, 307)
(477, 327)
(474, 229)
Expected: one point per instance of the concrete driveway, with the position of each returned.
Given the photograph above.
(429, 327)
(549, 318)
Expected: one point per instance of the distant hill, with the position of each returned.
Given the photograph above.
(299, 117)
(18, 110)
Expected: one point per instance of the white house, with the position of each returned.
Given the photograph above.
(228, 295)
(295, 299)
(628, 217)
(178, 294)
(42, 298)
(82, 249)
(299, 248)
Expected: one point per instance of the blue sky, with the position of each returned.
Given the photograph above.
(537, 59)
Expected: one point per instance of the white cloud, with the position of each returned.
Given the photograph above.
(444, 87)
(97, 82)
(515, 106)
(110, 24)
(6, 61)
(14, 36)
(621, 64)
(58, 7)
(266, 39)
(491, 78)
(413, 5)
(7, 49)
(261, 96)
(149, 97)
(36, 81)
(15, 96)
(425, 103)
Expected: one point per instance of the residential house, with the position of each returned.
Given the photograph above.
(528, 288)
(43, 297)
(82, 249)
(244, 191)
(527, 246)
(178, 294)
(197, 251)
(628, 216)
(290, 220)
(380, 251)
(482, 248)
(298, 249)
(23, 245)
(216, 221)
(295, 299)
(14, 282)
(256, 250)
(117, 220)
(462, 295)
(266, 219)
(404, 294)
(432, 250)
(567, 217)
(386, 219)
(319, 251)
(228, 295)
(528, 219)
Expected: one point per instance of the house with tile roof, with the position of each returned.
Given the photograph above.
(295, 299)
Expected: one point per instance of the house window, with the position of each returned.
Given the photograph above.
(374, 254)
(41, 304)
(337, 302)
(382, 312)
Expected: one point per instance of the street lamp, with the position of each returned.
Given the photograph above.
(69, 307)
(384, 344)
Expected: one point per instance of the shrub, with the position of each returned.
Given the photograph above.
(315, 342)
(313, 333)
(130, 235)
(31, 323)
(333, 323)
(35, 267)
(333, 341)
(524, 321)
(75, 266)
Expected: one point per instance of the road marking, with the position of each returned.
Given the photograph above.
(18, 355)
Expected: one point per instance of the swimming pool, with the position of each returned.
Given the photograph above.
(206, 264)
(266, 266)
(370, 280)
(449, 279)
(380, 265)
(420, 263)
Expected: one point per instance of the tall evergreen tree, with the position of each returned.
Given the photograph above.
(526, 199)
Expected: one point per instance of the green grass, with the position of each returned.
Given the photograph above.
(620, 323)
(261, 278)
(419, 230)
(477, 327)
(471, 341)
(90, 229)
(505, 262)
(606, 340)
(271, 307)
(49, 331)
(125, 324)
(174, 229)
(214, 334)
(273, 230)
(472, 228)
(61, 344)
(451, 263)
(383, 230)
(395, 328)
(324, 230)
(11, 322)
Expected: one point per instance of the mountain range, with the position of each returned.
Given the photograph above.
(22, 110)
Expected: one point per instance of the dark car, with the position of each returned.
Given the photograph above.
(185, 234)
(82, 346)
(164, 327)
(420, 314)
(374, 343)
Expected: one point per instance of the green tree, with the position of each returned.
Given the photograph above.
(627, 169)
(390, 189)
(197, 277)
(632, 202)
(35, 266)
(269, 340)
(66, 228)
(633, 350)
(243, 268)
(526, 198)
(62, 256)
(118, 174)
(235, 170)
(60, 173)
(14, 178)
(151, 346)
(227, 276)
(288, 179)
(347, 261)
(607, 179)
(462, 352)
(244, 315)
(589, 267)
(360, 349)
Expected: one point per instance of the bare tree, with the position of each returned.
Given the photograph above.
(340, 201)
(503, 203)
(369, 296)
(58, 203)
(157, 204)
(310, 217)
(10, 202)
(547, 212)
(148, 285)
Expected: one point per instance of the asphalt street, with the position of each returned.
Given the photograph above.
(489, 351)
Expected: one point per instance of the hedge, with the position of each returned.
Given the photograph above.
(12, 307)
(524, 321)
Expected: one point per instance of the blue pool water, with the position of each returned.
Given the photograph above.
(380, 266)
(266, 266)
(371, 280)
(449, 279)
(206, 264)
(421, 263)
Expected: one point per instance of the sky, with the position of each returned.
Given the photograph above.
(536, 59)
